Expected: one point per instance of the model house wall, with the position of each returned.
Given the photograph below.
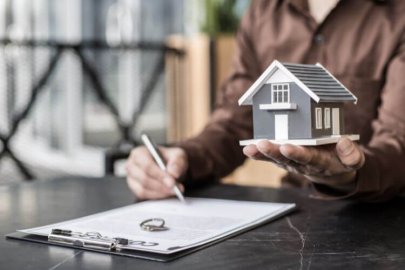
(308, 120)
(331, 120)
(298, 120)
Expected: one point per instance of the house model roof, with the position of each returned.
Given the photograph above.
(315, 80)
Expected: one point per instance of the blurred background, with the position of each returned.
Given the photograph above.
(81, 79)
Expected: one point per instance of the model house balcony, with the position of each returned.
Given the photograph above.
(278, 106)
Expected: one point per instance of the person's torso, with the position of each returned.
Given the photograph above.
(355, 42)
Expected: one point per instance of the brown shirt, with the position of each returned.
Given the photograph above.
(361, 42)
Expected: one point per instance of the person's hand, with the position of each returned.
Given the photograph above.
(147, 180)
(334, 165)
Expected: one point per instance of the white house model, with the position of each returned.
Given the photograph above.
(297, 104)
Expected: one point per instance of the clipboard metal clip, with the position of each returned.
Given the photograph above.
(91, 240)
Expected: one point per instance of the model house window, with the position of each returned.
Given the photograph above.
(318, 118)
(327, 118)
(280, 93)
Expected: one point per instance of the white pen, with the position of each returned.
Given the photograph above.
(157, 156)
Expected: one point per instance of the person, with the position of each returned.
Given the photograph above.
(361, 42)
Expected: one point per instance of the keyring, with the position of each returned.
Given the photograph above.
(153, 225)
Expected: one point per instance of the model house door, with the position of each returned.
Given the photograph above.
(281, 126)
(335, 121)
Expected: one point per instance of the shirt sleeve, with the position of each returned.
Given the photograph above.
(215, 152)
(383, 174)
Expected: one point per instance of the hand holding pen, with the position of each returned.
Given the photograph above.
(158, 157)
(149, 181)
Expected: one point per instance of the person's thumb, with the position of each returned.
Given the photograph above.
(176, 163)
(350, 153)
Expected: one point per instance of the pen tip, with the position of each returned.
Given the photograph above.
(179, 195)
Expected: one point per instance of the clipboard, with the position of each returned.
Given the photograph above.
(126, 253)
(94, 241)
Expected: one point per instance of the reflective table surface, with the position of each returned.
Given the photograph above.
(318, 235)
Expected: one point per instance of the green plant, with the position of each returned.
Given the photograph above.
(221, 17)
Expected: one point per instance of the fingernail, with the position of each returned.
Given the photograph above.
(168, 181)
(345, 146)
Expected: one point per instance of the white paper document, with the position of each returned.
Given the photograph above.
(189, 225)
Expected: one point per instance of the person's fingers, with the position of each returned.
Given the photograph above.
(272, 151)
(147, 181)
(139, 175)
(177, 163)
(308, 156)
(320, 163)
(252, 152)
(298, 154)
(145, 178)
(140, 157)
(176, 167)
(143, 193)
(350, 154)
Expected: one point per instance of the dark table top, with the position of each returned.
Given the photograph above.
(319, 235)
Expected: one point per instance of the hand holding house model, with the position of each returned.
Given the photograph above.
(297, 104)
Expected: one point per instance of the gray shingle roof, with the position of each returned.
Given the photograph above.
(321, 82)
(315, 80)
